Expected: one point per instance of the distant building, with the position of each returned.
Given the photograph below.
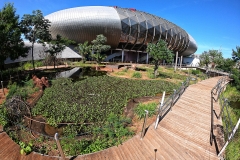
(192, 61)
(128, 31)
(38, 53)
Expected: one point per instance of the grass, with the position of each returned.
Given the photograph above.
(147, 72)
(136, 75)
(232, 150)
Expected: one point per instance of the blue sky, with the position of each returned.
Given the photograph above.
(214, 24)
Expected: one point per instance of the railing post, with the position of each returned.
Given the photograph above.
(211, 132)
(173, 98)
(144, 124)
(59, 146)
(160, 110)
(2, 88)
(230, 137)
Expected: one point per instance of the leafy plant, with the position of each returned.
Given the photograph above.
(140, 109)
(3, 116)
(151, 75)
(27, 66)
(25, 148)
(137, 75)
(195, 72)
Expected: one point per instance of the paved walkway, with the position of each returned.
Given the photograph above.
(182, 134)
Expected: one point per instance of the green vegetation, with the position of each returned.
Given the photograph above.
(84, 50)
(56, 46)
(36, 29)
(150, 74)
(195, 72)
(93, 97)
(23, 89)
(136, 75)
(27, 66)
(159, 52)
(112, 133)
(233, 95)
(3, 116)
(11, 43)
(25, 148)
(98, 46)
(140, 109)
(211, 56)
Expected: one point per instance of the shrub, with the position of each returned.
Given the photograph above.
(3, 116)
(125, 69)
(12, 89)
(150, 75)
(236, 78)
(195, 72)
(27, 66)
(25, 148)
(140, 109)
(137, 75)
(38, 63)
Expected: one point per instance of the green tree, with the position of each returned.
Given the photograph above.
(211, 56)
(11, 43)
(35, 29)
(99, 47)
(227, 65)
(215, 57)
(236, 78)
(204, 59)
(57, 45)
(159, 52)
(236, 56)
(84, 49)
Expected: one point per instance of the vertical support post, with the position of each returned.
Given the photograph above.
(59, 146)
(181, 63)
(122, 55)
(173, 98)
(2, 88)
(144, 124)
(137, 57)
(211, 132)
(147, 59)
(231, 136)
(160, 110)
(176, 59)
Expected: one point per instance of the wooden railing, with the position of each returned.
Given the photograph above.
(166, 106)
(228, 128)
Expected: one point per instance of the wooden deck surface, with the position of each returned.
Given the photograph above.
(183, 134)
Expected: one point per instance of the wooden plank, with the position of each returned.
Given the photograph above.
(112, 154)
(139, 145)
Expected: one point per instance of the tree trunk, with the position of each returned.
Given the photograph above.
(155, 69)
(206, 67)
(33, 58)
(54, 59)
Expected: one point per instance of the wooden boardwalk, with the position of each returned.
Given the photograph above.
(183, 134)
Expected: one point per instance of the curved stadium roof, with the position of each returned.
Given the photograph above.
(127, 29)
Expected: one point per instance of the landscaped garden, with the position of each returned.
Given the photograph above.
(89, 114)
